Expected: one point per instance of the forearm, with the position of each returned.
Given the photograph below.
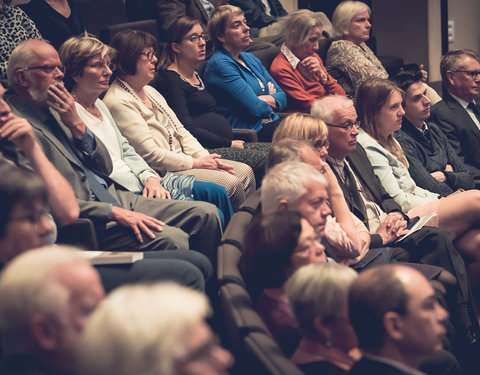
(61, 197)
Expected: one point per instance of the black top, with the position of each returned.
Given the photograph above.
(195, 108)
(321, 368)
(51, 24)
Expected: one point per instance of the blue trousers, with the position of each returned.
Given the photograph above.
(215, 194)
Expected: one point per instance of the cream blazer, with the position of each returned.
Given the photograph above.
(149, 136)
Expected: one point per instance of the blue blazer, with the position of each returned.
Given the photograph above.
(236, 89)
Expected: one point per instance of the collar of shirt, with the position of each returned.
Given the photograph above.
(289, 55)
(391, 362)
(423, 129)
(462, 102)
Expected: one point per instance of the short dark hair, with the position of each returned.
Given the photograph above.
(176, 30)
(20, 187)
(269, 243)
(129, 45)
(405, 78)
(370, 298)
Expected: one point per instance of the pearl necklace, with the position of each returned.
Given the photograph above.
(156, 104)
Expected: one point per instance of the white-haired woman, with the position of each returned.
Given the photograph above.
(151, 329)
(349, 59)
(298, 69)
(318, 295)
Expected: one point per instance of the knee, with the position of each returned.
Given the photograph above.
(172, 238)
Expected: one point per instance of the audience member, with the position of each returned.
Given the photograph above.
(84, 162)
(57, 20)
(201, 10)
(349, 59)
(47, 295)
(25, 223)
(15, 27)
(152, 128)
(432, 162)
(276, 245)
(298, 69)
(151, 329)
(185, 92)
(379, 106)
(397, 320)
(245, 92)
(318, 296)
(262, 15)
(458, 114)
(369, 201)
(87, 61)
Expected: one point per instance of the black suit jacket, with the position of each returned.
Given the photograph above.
(255, 11)
(363, 170)
(169, 10)
(461, 131)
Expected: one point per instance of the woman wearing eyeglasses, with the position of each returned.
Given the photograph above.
(246, 94)
(379, 108)
(185, 92)
(152, 128)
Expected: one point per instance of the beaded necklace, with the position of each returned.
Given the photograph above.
(155, 104)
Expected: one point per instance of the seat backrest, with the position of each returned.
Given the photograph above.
(96, 14)
(265, 356)
(149, 26)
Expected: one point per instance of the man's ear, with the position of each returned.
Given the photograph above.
(45, 331)
(282, 205)
(449, 75)
(393, 324)
(21, 79)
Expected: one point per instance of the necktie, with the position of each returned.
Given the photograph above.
(99, 190)
(475, 110)
(353, 190)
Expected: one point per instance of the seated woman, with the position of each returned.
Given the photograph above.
(318, 296)
(88, 70)
(276, 245)
(182, 87)
(15, 27)
(379, 109)
(349, 59)
(245, 92)
(298, 69)
(347, 235)
(152, 128)
(57, 20)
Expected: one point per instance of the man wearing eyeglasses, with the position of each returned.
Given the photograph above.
(458, 114)
(369, 201)
(124, 221)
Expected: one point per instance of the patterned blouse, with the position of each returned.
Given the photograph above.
(15, 27)
(351, 64)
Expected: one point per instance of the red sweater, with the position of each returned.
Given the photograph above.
(301, 92)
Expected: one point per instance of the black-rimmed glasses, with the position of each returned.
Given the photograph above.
(472, 73)
(149, 55)
(195, 38)
(347, 126)
(46, 68)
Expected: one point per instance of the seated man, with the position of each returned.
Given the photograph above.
(368, 200)
(397, 320)
(151, 329)
(433, 163)
(123, 220)
(458, 114)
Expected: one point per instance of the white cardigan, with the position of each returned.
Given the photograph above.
(147, 135)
